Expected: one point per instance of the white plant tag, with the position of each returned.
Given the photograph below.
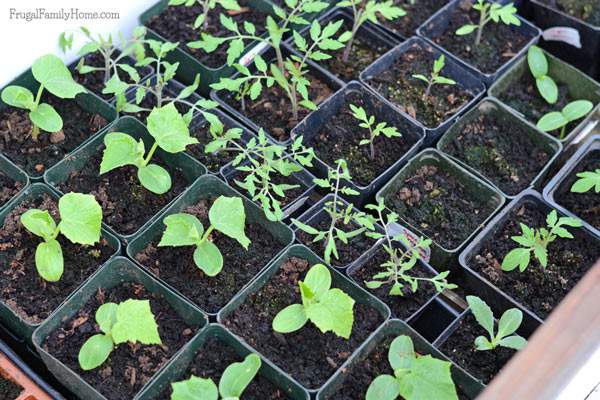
(249, 56)
(563, 34)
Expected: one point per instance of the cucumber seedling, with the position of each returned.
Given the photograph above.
(435, 78)
(207, 6)
(538, 65)
(375, 129)
(560, 119)
(587, 180)
(490, 12)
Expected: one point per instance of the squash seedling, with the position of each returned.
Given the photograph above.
(587, 180)
(415, 376)
(560, 119)
(490, 11)
(226, 215)
(171, 134)
(52, 75)
(329, 309)
(207, 6)
(80, 222)
(233, 382)
(538, 65)
(536, 241)
(375, 129)
(507, 326)
(435, 78)
(130, 321)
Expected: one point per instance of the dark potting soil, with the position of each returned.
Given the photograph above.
(176, 24)
(126, 204)
(499, 42)
(8, 188)
(339, 138)
(585, 10)
(21, 287)
(212, 161)
(175, 265)
(538, 289)
(398, 86)
(402, 306)
(417, 12)
(130, 366)
(308, 355)
(35, 157)
(460, 348)
(500, 149)
(8, 389)
(585, 205)
(210, 362)
(440, 206)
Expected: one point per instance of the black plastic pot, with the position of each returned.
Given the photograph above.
(438, 22)
(205, 187)
(434, 318)
(383, 111)
(391, 329)
(60, 173)
(175, 370)
(18, 326)
(114, 273)
(564, 179)
(221, 96)
(492, 106)
(453, 69)
(16, 174)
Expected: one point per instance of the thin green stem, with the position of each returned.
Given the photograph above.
(150, 153)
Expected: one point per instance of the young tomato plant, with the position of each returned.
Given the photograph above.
(226, 215)
(337, 213)
(560, 119)
(536, 241)
(52, 75)
(401, 259)
(489, 11)
(233, 382)
(130, 321)
(435, 78)
(329, 309)
(415, 376)
(171, 134)
(587, 180)
(80, 222)
(368, 122)
(508, 324)
(538, 65)
(207, 5)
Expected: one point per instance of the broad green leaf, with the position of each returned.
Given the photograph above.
(466, 29)
(40, 223)
(402, 353)
(228, 216)
(194, 389)
(577, 109)
(106, 316)
(516, 257)
(547, 88)
(290, 319)
(18, 96)
(238, 376)
(208, 258)
(514, 342)
(46, 117)
(318, 279)
(168, 127)
(52, 73)
(49, 260)
(182, 230)
(154, 178)
(95, 351)
(384, 387)
(482, 313)
(135, 323)
(538, 65)
(551, 121)
(509, 322)
(333, 312)
(482, 343)
(428, 378)
(80, 218)
(120, 150)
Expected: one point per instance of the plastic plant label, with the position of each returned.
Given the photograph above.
(563, 34)
(249, 56)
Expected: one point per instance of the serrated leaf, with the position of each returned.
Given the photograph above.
(80, 218)
(181, 230)
(333, 312)
(228, 216)
(135, 323)
(167, 126)
(120, 150)
(482, 313)
(52, 73)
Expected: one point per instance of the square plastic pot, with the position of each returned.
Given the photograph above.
(453, 69)
(175, 370)
(338, 280)
(205, 187)
(118, 271)
(434, 319)
(79, 160)
(18, 326)
(86, 101)
(438, 22)
(318, 120)
(15, 173)
(391, 329)
(477, 189)
(491, 105)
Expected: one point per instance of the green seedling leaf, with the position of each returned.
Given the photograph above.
(46, 117)
(195, 388)
(106, 316)
(290, 319)
(121, 149)
(228, 216)
(19, 97)
(508, 324)
(95, 351)
(40, 223)
(154, 178)
(168, 127)
(52, 73)
(238, 376)
(587, 180)
(208, 258)
(49, 260)
(80, 218)
(182, 230)
(482, 313)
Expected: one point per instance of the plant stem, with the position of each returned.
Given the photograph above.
(482, 22)
(562, 132)
(428, 90)
(355, 26)
(35, 130)
(206, 234)
(150, 153)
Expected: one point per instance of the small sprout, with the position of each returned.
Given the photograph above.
(587, 180)
(129, 321)
(538, 65)
(207, 6)
(415, 376)
(508, 324)
(80, 222)
(52, 75)
(233, 382)
(560, 119)
(489, 11)
(171, 134)
(226, 215)
(536, 241)
(368, 122)
(435, 78)
(329, 309)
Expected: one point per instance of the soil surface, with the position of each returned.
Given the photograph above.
(176, 24)
(8, 389)
(585, 10)
(309, 355)
(21, 287)
(398, 86)
(36, 157)
(126, 204)
(417, 12)
(585, 205)
(210, 362)
(340, 136)
(499, 42)
(538, 289)
(460, 348)
(8, 188)
(500, 149)
(440, 206)
(175, 265)
(212, 161)
(130, 366)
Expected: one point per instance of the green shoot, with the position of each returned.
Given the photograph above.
(560, 119)
(207, 6)
(368, 122)
(538, 65)
(587, 180)
(435, 78)
(489, 11)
